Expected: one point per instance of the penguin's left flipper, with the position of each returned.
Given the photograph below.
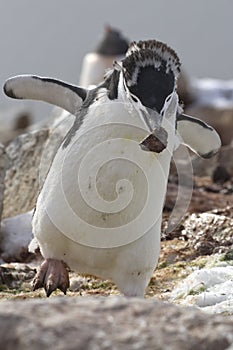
(200, 137)
(57, 92)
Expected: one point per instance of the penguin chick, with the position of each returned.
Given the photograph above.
(99, 211)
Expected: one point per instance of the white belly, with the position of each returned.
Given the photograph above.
(101, 204)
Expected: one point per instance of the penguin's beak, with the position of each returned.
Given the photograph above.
(153, 119)
(156, 141)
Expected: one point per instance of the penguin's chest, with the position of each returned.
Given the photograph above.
(103, 178)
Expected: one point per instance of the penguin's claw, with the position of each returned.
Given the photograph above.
(51, 275)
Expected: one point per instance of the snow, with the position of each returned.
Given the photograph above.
(210, 289)
(213, 92)
(16, 233)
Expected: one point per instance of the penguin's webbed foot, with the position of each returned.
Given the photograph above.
(52, 274)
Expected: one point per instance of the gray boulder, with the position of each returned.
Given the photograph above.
(110, 323)
(21, 181)
(3, 168)
(30, 157)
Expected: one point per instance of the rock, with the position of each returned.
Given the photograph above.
(13, 275)
(206, 196)
(30, 157)
(21, 179)
(78, 283)
(210, 232)
(225, 158)
(16, 234)
(4, 163)
(212, 184)
(110, 323)
(220, 175)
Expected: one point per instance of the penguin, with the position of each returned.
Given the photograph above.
(100, 208)
(112, 47)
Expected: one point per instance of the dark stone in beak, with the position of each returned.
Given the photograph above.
(156, 141)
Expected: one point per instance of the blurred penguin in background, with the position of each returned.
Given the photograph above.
(112, 47)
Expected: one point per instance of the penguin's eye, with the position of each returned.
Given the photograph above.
(168, 98)
(134, 98)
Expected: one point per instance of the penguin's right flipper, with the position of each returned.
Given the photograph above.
(200, 137)
(56, 92)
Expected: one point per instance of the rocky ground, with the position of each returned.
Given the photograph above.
(110, 323)
(202, 241)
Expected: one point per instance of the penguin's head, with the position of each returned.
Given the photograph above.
(150, 72)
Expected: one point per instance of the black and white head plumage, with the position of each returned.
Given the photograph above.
(151, 69)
